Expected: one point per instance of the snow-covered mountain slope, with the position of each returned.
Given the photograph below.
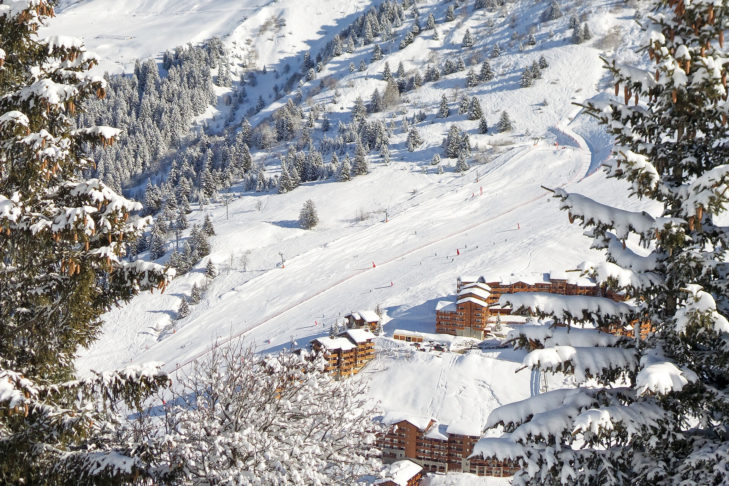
(260, 31)
(401, 235)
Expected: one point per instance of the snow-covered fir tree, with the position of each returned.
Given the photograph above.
(655, 409)
(474, 109)
(505, 124)
(210, 271)
(63, 242)
(308, 217)
(443, 110)
(184, 309)
(467, 40)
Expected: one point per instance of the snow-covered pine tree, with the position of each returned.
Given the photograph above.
(527, 77)
(430, 23)
(483, 126)
(345, 170)
(450, 14)
(435, 160)
(308, 217)
(414, 139)
(505, 124)
(377, 53)
(471, 79)
(462, 164)
(184, 309)
(210, 271)
(467, 41)
(486, 74)
(195, 294)
(360, 160)
(63, 239)
(665, 422)
(463, 105)
(443, 111)
(386, 73)
(207, 226)
(474, 109)
(543, 63)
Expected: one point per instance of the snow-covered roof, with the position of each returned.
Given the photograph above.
(437, 432)
(420, 421)
(359, 335)
(468, 278)
(478, 292)
(365, 315)
(399, 472)
(464, 428)
(403, 332)
(574, 278)
(473, 300)
(445, 305)
(336, 343)
(369, 316)
(479, 285)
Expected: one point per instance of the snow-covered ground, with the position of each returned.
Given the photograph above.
(495, 220)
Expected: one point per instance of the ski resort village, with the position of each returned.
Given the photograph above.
(364, 242)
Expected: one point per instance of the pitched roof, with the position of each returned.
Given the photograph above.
(399, 472)
(359, 335)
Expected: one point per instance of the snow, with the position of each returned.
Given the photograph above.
(514, 228)
(569, 306)
(550, 335)
(472, 300)
(660, 376)
(518, 412)
(478, 292)
(456, 390)
(336, 343)
(369, 316)
(585, 362)
(700, 303)
(360, 335)
(399, 472)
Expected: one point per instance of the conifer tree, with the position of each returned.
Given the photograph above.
(207, 226)
(505, 123)
(386, 74)
(210, 271)
(543, 63)
(377, 53)
(450, 14)
(474, 110)
(345, 170)
(308, 217)
(483, 127)
(414, 139)
(400, 70)
(435, 160)
(467, 41)
(443, 111)
(184, 309)
(62, 245)
(430, 23)
(195, 294)
(657, 410)
(486, 73)
(471, 79)
(462, 164)
(360, 160)
(463, 105)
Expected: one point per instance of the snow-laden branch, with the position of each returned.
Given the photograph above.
(584, 363)
(568, 307)
(621, 221)
(562, 336)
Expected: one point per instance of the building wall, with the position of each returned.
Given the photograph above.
(405, 441)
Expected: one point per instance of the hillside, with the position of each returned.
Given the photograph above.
(399, 236)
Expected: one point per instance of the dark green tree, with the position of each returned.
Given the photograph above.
(62, 245)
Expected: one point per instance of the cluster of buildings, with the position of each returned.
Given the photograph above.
(476, 309)
(349, 351)
(437, 448)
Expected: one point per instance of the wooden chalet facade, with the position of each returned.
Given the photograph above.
(407, 336)
(348, 352)
(477, 304)
(438, 448)
(364, 319)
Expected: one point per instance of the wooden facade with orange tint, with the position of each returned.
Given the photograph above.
(348, 352)
(437, 450)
